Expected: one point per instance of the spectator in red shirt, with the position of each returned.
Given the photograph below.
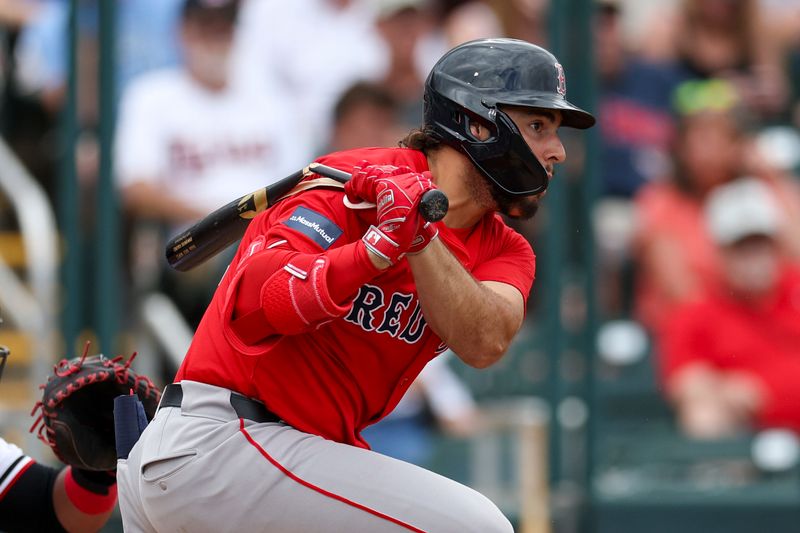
(676, 258)
(730, 361)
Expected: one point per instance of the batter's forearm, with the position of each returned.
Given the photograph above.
(287, 292)
(475, 321)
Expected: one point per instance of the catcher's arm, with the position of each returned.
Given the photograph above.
(81, 501)
(75, 418)
(38, 501)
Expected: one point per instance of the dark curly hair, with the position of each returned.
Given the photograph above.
(422, 139)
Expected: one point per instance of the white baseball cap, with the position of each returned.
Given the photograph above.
(742, 208)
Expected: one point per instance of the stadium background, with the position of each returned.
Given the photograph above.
(576, 434)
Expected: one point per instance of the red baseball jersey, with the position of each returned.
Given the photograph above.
(761, 340)
(350, 372)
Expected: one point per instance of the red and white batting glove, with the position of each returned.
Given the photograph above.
(427, 233)
(362, 186)
(396, 192)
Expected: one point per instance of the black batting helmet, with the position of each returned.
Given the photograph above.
(472, 81)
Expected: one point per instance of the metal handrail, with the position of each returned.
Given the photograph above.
(33, 310)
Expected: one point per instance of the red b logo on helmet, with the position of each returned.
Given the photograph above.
(562, 80)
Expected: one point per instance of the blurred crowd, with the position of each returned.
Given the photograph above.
(698, 104)
(700, 156)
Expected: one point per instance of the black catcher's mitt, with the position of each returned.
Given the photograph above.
(76, 413)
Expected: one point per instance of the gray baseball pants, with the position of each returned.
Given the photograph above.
(200, 468)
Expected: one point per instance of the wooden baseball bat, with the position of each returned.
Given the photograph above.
(227, 224)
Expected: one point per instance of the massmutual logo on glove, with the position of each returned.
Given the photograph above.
(311, 224)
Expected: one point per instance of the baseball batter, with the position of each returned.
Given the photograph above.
(336, 300)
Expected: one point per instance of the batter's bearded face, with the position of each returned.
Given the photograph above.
(539, 128)
(521, 208)
(490, 197)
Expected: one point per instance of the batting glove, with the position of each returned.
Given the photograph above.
(427, 233)
(396, 192)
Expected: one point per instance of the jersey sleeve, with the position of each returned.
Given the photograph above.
(514, 263)
(313, 221)
(296, 268)
(28, 505)
(26, 492)
(13, 462)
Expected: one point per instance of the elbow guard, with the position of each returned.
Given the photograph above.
(294, 299)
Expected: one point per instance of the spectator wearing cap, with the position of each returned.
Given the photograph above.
(675, 256)
(192, 138)
(403, 25)
(189, 138)
(730, 361)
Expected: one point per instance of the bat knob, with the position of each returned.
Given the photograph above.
(433, 205)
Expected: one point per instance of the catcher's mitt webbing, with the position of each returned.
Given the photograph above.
(76, 412)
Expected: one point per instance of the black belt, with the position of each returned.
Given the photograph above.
(243, 406)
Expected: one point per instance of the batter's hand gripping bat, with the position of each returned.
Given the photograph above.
(227, 224)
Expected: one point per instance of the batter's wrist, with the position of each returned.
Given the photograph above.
(427, 234)
(377, 261)
(382, 250)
